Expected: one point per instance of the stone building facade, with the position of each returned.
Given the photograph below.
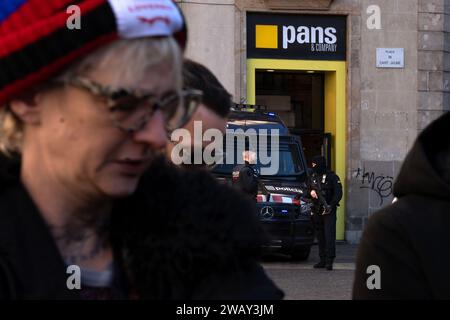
(383, 109)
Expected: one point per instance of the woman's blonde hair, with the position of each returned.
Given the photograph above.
(132, 60)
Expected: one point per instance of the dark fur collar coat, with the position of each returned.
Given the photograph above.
(180, 236)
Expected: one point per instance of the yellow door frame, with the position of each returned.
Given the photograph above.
(335, 109)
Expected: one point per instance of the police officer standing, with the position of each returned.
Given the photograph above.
(245, 177)
(326, 189)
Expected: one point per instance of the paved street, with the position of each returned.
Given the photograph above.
(300, 281)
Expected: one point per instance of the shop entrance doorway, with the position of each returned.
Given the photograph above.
(298, 97)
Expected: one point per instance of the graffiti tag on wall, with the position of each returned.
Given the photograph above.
(382, 185)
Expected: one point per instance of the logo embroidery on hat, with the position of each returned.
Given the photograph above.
(154, 20)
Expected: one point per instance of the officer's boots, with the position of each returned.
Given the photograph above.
(329, 264)
(320, 264)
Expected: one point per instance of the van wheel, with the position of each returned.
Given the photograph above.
(300, 254)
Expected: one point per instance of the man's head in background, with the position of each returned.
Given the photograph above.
(249, 157)
(216, 103)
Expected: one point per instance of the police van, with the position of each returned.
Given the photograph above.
(281, 204)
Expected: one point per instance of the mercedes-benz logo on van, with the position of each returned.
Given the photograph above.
(267, 213)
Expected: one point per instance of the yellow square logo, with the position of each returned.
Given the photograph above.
(266, 36)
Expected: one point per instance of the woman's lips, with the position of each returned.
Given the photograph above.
(131, 167)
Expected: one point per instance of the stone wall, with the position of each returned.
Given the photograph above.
(213, 35)
(383, 114)
(434, 60)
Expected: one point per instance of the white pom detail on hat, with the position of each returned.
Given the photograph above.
(144, 18)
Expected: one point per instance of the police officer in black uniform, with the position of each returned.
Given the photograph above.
(326, 189)
(245, 177)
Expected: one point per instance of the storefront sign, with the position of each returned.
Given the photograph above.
(288, 36)
(390, 58)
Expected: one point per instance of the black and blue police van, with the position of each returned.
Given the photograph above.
(282, 205)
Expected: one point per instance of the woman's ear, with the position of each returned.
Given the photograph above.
(26, 110)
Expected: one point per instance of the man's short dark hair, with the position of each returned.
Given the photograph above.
(215, 96)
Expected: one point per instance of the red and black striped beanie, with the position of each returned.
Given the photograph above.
(40, 38)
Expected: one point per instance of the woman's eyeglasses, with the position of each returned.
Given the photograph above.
(131, 110)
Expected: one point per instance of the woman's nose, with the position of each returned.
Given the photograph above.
(154, 133)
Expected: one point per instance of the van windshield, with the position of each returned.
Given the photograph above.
(289, 163)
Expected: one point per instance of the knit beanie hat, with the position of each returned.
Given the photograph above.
(40, 38)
